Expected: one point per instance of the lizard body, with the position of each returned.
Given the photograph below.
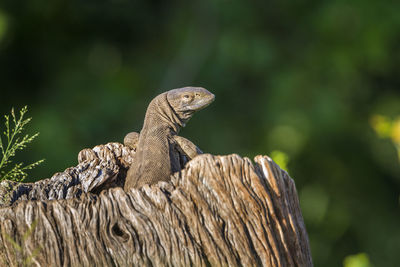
(155, 158)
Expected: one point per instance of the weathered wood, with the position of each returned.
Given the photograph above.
(218, 211)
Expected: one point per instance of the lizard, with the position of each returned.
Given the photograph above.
(156, 158)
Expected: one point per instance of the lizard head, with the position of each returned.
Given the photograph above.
(187, 100)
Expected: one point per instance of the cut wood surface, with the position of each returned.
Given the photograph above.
(218, 211)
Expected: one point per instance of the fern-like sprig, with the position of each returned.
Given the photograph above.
(13, 143)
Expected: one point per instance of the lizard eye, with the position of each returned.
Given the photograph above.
(186, 96)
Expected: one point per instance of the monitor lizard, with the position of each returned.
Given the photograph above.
(156, 158)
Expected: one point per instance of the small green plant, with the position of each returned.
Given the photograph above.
(14, 141)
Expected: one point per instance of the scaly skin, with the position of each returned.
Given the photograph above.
(155, 158)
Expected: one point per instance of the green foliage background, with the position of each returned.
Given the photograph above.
(300, 77)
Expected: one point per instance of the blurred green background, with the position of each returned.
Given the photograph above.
(315, 83)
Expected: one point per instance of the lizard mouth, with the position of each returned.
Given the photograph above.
(202, 103)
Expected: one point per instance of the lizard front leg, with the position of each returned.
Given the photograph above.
(131, 140)
(186, 147)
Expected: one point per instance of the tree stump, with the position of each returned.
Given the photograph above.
(217, 211)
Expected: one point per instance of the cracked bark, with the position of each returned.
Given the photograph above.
(218, 211)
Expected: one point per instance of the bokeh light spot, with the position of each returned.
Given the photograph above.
(314, 203)
(286, 138)
(280, 158)
(3, 25)
(358, 260)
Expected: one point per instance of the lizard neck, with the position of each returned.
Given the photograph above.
(160, 114)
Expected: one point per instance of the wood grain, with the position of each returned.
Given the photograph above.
(218, 211)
